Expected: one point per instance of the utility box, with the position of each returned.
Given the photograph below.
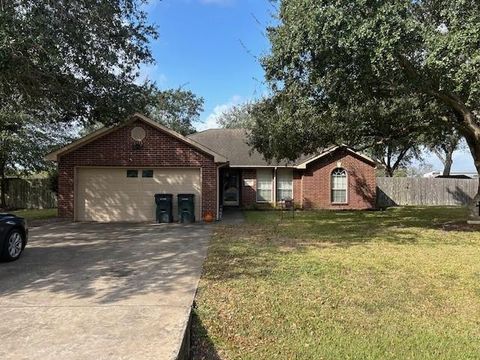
(186, 208)
(164, 210)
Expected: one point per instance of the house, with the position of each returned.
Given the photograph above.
(113, 174)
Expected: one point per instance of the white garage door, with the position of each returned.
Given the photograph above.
(121, 194)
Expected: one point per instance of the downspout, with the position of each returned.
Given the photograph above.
(218, 190)
(275, 187)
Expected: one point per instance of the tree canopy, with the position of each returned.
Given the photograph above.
(237, 116)
(177, 109)
(72, 59)
(344, 71)
(23, 146)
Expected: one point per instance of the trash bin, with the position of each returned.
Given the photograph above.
(186, 208)
(164, 212)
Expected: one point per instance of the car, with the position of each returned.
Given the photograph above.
(13, 236)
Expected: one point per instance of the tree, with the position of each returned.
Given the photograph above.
(177, 109)
(332, 63)
(443, 145)
(419, 170)
(238, 116)
(65, 60)
(23, 147)
(394, 156)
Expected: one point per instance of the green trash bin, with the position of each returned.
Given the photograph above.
(186, 208)
(164, 212)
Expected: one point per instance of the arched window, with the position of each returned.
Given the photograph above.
(339, 186)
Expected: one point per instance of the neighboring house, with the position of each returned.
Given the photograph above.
(453, 175)
(113, 174)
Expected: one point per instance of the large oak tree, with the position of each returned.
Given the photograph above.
(340, 71)
(72, 59)
(66, 62)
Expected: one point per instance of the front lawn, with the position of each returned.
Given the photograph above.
(402, 283)
(36, 214)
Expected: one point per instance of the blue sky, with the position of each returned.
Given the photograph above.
(212, 48)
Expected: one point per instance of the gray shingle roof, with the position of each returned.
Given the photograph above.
(232, 143)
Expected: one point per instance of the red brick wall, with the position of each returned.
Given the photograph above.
(361, 182)
(248, 193)
(311, 187)
(297, 188)
(117, 149)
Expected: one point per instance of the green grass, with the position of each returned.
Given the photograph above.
(398, 284)
(36, 214)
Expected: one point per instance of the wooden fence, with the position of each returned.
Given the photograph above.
(425, 191)
(30, 194)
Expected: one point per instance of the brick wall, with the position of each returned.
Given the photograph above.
(311, 187)
(361, 182)
(158, 149)
(249, 192)
(297, 188)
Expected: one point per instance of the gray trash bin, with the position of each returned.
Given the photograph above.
(164, 211)
(186, 208)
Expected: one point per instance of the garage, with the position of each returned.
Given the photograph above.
(107, 194)
(113, 173)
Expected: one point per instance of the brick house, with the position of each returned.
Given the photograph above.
(113, 174)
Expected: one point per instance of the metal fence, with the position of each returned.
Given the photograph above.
(30, 194)
(425, 191)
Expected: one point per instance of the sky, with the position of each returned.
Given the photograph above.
(212, 47)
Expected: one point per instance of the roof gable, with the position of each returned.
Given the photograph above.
(136, 117)
(233, 144)
(332, 149)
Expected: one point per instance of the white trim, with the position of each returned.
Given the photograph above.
(133, 167)
(53, 156)
(276, 186)
(346, 187)
(271, 190)
(262, 166)
(329, 151)
(304, 164)
(218, 190)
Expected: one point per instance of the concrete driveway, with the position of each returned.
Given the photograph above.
(101, 291)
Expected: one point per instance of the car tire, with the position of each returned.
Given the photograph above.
(13, 245)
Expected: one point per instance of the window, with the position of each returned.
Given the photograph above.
(284, 184)
(264, 185)
(339, 186)
(147, 173)
(132, 173)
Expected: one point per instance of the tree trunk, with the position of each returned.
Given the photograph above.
(472, 136)
(389, 171)
(447, 166)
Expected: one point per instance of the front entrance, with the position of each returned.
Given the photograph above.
(231, 187)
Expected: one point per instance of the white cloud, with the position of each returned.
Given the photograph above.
(151, 72)
(211, 122)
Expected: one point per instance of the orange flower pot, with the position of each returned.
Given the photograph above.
(208, 218)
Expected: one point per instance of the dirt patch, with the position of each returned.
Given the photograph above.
(459, 226)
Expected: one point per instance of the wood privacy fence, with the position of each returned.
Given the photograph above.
(425, 191)
(30, 194)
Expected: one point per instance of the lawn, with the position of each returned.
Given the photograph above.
(36, 214)
(402, 283)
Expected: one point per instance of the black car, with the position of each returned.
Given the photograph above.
(13, 236)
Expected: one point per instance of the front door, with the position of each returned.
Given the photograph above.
(231, 188)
